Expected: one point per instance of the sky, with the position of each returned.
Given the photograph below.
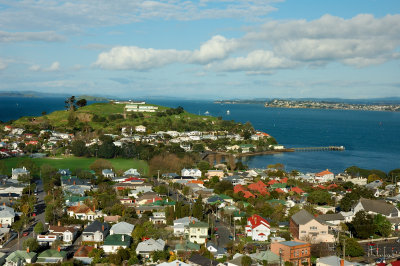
(202, 49)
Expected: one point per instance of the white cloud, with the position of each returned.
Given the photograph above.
(55, 66)
(47, 36)
(72, 15)
(361, 41)
(132, 57)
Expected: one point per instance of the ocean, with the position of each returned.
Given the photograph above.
(371, 138)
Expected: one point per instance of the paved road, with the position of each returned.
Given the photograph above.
(40, 206)
(389, 249)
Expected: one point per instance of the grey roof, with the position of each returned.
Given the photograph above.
(267, 255)
(302, 217)
(151, 245)
(334, 260)
(331, 217)
(122, 228)
(200, 260)
(292, 243)
(378, 206)
(96, 226)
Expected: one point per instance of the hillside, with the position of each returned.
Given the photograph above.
(109, 117)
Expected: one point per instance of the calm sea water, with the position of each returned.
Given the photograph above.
(371, 138)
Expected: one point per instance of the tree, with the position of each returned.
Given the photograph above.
(39, 228)
(223, 186)
(81, 103)
(382, 225)
(198, 208)
(3, 168)
(78, 148)
(353, 248)
(32, 244)
(70, 103)
(96, 254)
(100, 164)
(320, 197)
(363, 224)
(246, 261)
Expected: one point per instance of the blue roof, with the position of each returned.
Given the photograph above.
(292, 243)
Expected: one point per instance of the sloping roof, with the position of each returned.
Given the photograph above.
(331, 217)
(292, 243)
(150, 245)
(256, 220)
(267, 255)
(187, 245)
(173, 263)
(200, 260)
(297, 190)
(96, 226)
(198, 224)
(20, 255)
(326, 172)
(302, 217)
(122, 228)
(377, 206)
(118, 240)
(52, 253)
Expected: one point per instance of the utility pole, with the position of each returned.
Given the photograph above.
(344, 249)
(158, 177)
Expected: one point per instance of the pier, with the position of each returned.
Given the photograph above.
(326, 148)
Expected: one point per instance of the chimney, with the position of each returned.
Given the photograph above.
(123, 237)
(27, 249)
(59, 223)
(74, 182)
(342, 262)
(102, 228)
(79, 203)
(177, 263)
(59, 248)
(4, 204)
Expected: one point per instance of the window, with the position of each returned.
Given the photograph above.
(302, 252)
(323, 232)
(313, 228)
(303, 232)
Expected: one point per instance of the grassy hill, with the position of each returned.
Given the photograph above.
(109, 117)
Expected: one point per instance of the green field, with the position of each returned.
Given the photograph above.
(72, 163)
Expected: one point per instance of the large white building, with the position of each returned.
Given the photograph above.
(258, 228)
(191, 172)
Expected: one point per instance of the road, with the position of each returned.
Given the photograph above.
(40, 207)
(389, 249)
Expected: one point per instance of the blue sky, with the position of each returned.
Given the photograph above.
(202, 49)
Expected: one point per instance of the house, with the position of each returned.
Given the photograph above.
(186, 246)
(17, 172)
(20, 257)
(266, 255)
(95, 232)
(51, 256)
(191, 172)
(158, 218)
(324, 176)
(246, 148)
(198, 232)
(66, 233)
(259, 187)
(140, 128)
(83, 212)
(148, 246)
(306, 227)
(237, 260)
(122, 228)
(376, 207)
(181, 225)
(111, 218)
(173, 263)
(147, 198)
(108, 173)
(82, 254)
(258, 228)
(334, 260)
(333, 219)
(7, 215)
(217, 252)
(65, 172)
(295, 252)
(218, 173)
(198, 260)
(115, 242)
(132, 171)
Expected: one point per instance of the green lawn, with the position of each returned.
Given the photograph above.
(82, 163)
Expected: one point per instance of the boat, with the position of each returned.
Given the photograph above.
(207, 113)
(228, 112)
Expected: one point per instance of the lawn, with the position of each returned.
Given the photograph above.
(72, 163)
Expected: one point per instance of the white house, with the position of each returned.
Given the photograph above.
(198, 232)
(65, 233)
(132, 172)
(114, 242)
(148, 246)
(140, 128)
(181, 225)
(324, 176)
(158, 218)
(7, 215)
(376, 207)
(108, 173)
(15, 173)
(191, 172)
(258, 228)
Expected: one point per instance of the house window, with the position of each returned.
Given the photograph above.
(303, 232)
(313, 228)
(306, 251)
(302, 252)
(323, 232)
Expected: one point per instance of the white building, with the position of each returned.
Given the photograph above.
(324, 176)
(140, 108)
(258, 228)
(181, 225)
(198, 232)
(191, 172)
(15, 173)
(140, 128)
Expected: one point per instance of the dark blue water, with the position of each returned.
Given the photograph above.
(371, 138)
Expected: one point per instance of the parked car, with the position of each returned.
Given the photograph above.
(25, 233)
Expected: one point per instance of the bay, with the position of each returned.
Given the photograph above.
(371, 138)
